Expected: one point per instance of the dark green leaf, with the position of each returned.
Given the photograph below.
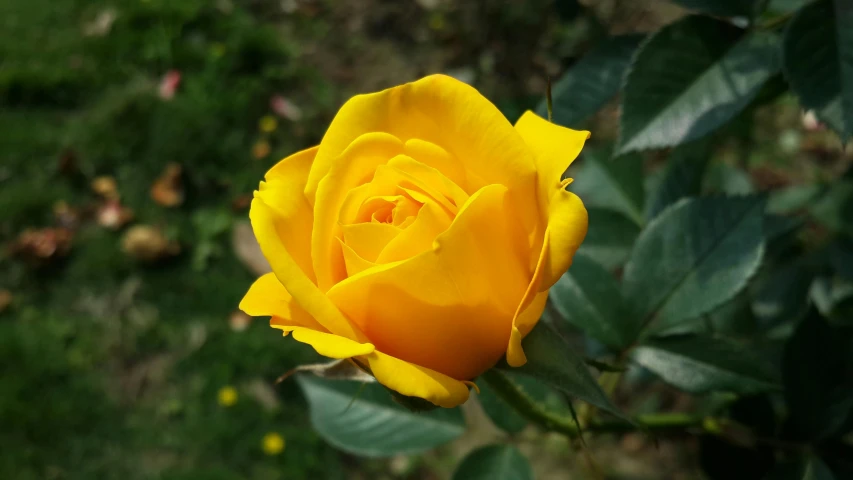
(834, 299)
(776, 227)
(609, 238)
(693, 257)
(364, 420)
(786, 6)
(721, 8)
(818, 62)
(691, 77)
(494, 462)
(817, 371)
(682, 176)
(782, 293)
(551, 360)
(806, 469)
(504, 416)
(615, 184)
(700, 364)
(588, 297)
(734, 317)
(729, 180)
(792, 199)
(499, 412)
(592, 81)
(834, 209)
(841, 258)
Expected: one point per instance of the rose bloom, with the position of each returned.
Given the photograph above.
(420, 238)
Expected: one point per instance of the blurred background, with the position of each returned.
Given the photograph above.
(132, 134)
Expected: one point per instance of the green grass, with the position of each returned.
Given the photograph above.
(111, 368)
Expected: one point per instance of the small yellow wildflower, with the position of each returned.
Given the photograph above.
(268, 124)
(227, 396)
(273, 443)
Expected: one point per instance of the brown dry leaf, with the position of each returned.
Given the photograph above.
(113, 215)
(147, 243)
(102, 24)
(263, 393)
(239, 321)
(67, 163)
(241, 203)
(106, 187)
(261, 149)
(168, 190)
(40, 245)
(285, 108)
(247, 250)
(335, 370)
(5, 299)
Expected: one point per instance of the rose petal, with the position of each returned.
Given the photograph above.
(443, 111)
(416, 381)
(456, 300)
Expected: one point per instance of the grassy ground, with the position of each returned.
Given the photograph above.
(111, 367)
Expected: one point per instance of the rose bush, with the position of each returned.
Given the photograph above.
(420, 238)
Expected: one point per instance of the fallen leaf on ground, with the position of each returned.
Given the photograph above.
(247, 250)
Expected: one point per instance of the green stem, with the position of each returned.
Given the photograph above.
(529, 409)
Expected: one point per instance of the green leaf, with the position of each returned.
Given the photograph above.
(363, 419)
(701, 364)
(834, 299)
(841, 257)
(615, 184)
(499, 412)
(806, 469)
(551, 360)
(682, 176)
(690, 78)
(817, 369)
(818, 62)
(694, 256)
(609, 238)
(592, 81)
(729, 180)
(588, 297)
(734, 317)
(494, 462)
(782, 293)
(785, 6)
(721, 8)
(792, 199)
(834, 209)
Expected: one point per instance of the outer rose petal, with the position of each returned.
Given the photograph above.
(285, 177)
(449, 309)
(416, 381)
(267, 225)
(267, 297)
(327, 344)
(555, 147)
(443, 111)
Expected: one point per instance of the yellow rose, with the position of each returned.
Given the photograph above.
(420, 238)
